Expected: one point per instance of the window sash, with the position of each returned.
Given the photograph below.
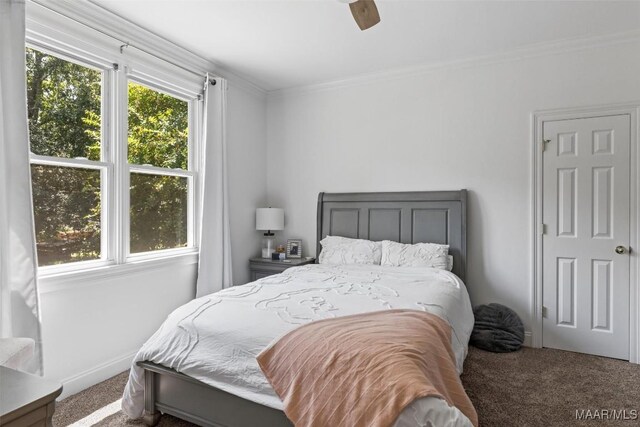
(157, 171)
(77, 162)
(150, 84)
(105, 171)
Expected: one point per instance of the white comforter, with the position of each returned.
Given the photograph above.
(216, 338)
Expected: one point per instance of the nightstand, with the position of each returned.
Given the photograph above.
(26, 400)
(262, 267)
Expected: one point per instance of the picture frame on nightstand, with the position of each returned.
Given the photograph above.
(294, 248)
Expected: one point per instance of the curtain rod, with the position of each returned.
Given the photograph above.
(128, 44)
(124, 43)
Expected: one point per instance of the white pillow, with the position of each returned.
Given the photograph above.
(450, 263)
(342, 250)
(419, 255)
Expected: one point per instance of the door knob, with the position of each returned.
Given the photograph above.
(620, 250)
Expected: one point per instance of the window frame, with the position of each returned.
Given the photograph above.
(103, 165)
(117, 70)
(190, 173)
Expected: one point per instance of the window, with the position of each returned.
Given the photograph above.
(158, 155)
(65, 120)
(103, 193)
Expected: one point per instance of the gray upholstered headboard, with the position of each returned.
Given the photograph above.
(406, 217)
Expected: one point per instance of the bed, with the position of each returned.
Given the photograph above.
(319, 291)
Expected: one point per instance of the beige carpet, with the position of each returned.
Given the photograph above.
(532, 387)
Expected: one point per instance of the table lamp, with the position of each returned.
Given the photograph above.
(269, 219)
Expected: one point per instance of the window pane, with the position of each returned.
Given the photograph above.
(63, 107)
(67, 213)
(158, 128)
(158, 212)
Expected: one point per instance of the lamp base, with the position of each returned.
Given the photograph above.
(268, 245)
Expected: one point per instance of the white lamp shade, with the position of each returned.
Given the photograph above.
(269, 219)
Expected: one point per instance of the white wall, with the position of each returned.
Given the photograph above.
(246, 137)
(93, 327)
(451, 128)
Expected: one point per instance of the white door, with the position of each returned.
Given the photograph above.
(585, 246)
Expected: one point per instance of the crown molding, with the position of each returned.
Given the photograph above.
(531, 51)
(95, 16)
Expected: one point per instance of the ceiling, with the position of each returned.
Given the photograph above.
(283, 44)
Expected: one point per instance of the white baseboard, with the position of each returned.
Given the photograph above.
(528, 339)
(86, 379)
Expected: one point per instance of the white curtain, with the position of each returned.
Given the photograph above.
(18, 293)
(214, 267)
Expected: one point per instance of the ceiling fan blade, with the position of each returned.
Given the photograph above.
(365, 13)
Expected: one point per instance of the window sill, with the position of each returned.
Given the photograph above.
(56, 281)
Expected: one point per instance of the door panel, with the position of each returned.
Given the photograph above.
(586, 212)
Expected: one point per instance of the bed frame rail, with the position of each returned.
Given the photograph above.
(170, 392)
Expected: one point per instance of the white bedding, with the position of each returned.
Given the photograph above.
(216, 338)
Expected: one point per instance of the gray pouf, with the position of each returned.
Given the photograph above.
(497, 328)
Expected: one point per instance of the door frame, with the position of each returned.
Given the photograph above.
(537, 119)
